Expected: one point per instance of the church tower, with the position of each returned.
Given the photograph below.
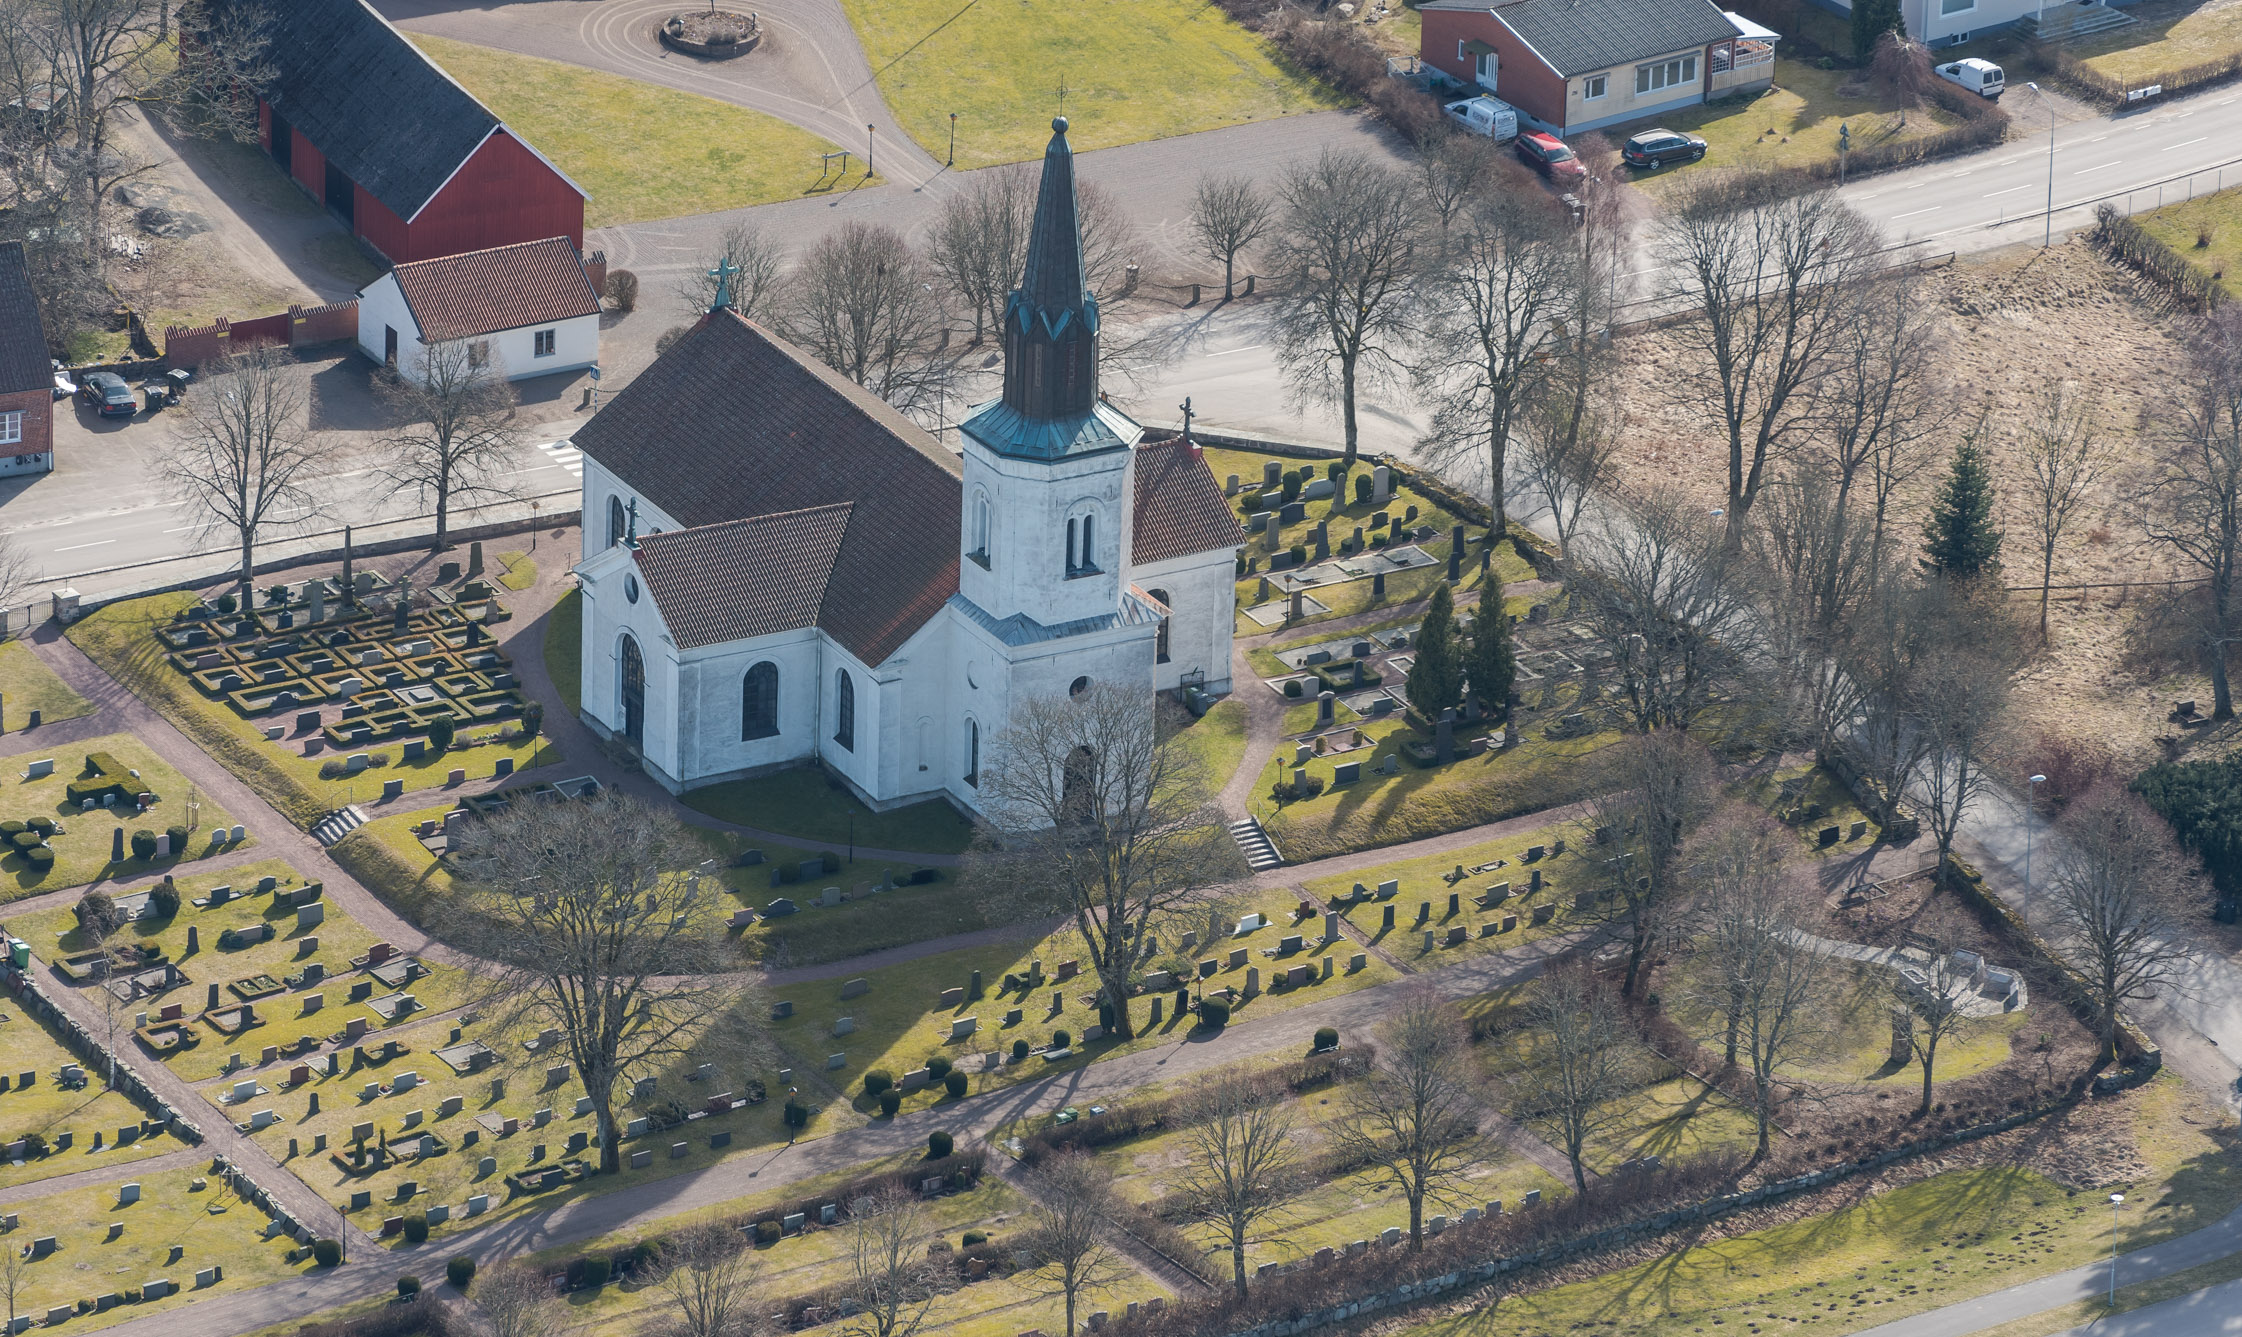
(1049, 482)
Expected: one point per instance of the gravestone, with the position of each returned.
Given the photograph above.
(855, 988)
(844, 1026)
(1253, 982)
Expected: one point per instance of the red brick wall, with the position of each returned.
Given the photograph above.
(323, 324)
(1521, 78)
(37, 407)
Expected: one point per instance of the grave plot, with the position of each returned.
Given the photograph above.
(1812, 801)
(458, 1120)
(256, 968)
(321, 704)
(71, 815)
(53, 1109)
(144, 1244)
(1510, 892)
(896, 1018)
(27, 685)
(1861, 1049)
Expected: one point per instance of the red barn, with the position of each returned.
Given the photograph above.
(393, 146)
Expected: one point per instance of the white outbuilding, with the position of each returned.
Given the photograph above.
(530, 308)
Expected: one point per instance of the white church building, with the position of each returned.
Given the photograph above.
(780, 569)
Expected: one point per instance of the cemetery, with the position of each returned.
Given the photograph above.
(27, 685)
(40, 1108)
(448, 1113)
(1512, 891)
(315, 699)
(102, 1257)
(257, 976)
(1258, 953)
(1811, 800)
(74, 813)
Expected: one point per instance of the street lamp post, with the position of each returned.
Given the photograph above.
(2047, 234)
(868, 153)
(2031, 801)
(953, 141)
(2117, 1200)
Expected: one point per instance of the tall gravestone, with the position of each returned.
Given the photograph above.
(404, 606)
(1456, 555)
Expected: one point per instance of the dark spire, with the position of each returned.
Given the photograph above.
(1051, 321)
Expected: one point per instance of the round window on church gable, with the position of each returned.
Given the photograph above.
(630, 588)
(1081, 685)
(972, 676)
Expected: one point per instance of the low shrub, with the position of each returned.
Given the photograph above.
(797, 1114)
(408, 1286)
(1062, 1039)
(441, 731)
(178, 836)
(1363, 490)
(1019, 1050)
(1293, 688)
(878, 1080)
(622, 289)
(939, 1144)
(97, 914)
(1327, 1038)
(598, 1271)
(1214, 1014)
(163, 898)
(2129, 243)
(937, 1068)
(416, 1227)
(226, 603)
(327, 1253)
(973, 1237)
(143, 845)
(39, 857)
(891, 1102)
(1299, 791)
(956, 1084)
(1298, 553)
(767, 1232)
(460, 1271)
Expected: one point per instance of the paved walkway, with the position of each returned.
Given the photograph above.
(100, 1174)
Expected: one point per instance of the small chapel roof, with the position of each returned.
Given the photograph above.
(1180, 508)
(744, 578)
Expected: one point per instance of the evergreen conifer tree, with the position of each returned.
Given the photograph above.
(1491, 666)
(1960, 541)
(1436, 678)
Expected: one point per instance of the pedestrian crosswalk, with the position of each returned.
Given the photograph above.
(564, 454)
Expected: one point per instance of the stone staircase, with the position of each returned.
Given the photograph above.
(337, 824)
(2071, 22)
(1260, 851)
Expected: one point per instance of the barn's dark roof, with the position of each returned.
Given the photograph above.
(1583, 36)
(734, 423)
(370, 102)
(1180, 508)
(23, 341)
(501, 288)
(744, 578)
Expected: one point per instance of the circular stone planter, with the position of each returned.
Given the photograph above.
(712, 34)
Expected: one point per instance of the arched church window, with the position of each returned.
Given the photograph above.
(615, 521)
(1082, 545)
(759, 702)
(978, 530)
(1160, 644)
(844, 709)
(973, 753)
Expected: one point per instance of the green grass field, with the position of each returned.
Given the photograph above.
(1791, 124)
(26, 685)
(517, 571)
(1133, 70)
(638, 149)
(47, 1109)
(120, 637)
(2205, 231)
(81, 851)
(804, 804)
(2169, 36)
(564, 649)
(1217, 740)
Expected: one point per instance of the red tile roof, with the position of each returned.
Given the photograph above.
(743, 578)
(503, 288)
(1180, 508)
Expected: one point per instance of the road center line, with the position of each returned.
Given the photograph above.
(76, 546)
(2169, 147)
(1932, 210)
(2084, 170)
(2010, 191)
(1248, 349)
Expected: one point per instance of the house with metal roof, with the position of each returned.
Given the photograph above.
(781, 570)
(393, 146)
(1571, 66)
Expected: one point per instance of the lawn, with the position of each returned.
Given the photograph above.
(1676, 1119)
(999, 68)
(1418, 801)
(26, 684)
(564, 649)
(1425, 881)
(899, 1022)
(638, 149)
(2169, 35)
(1217, 740)
(1793, 123)
(517, 571)
(1818, 800)
(175, 1230)
(808, 805)
(285, 1015)
(47, 1109)
(81, 850)
(1858, 1048)
(2205, 231)
(120, 637)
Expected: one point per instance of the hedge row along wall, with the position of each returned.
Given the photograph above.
(2129, 242)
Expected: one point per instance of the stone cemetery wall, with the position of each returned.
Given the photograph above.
(97, 1057)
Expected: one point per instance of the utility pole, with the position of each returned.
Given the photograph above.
(953, 161)
(2047, 235)
(2031, 801)
(867, 149)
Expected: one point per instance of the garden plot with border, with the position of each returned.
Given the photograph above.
(305, 706)
(53, 1112)
(274, 965)
(106, 1250)
(82, 794)
(538, 1161)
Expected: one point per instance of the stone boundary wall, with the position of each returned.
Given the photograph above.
(96, 1056)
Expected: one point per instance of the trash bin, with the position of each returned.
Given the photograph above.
(155, 395)
(175, 382)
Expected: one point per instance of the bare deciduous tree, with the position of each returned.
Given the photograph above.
(15, 1279)
(1767, 273)
(979, 242)
(707, 1273)
(1414, 1118)
(1453, 170)
(862, 302)
(458, 435)
(1655, 789)
(1346, 246)
(1242, 1166)
(519, 1302)
(1107, 234)
(1585, 1058)
(246, 459)
(1809, 559)
(1070, 1206)
(756, 261)
(1569, 458)
(889, 1275)
(18, 573)
(1489, 311)
(2115, 904)
(2064, 459)
(2190, 497)
(1096, 808)
(590, 931)
(1228, 215)
(1962, 691)
(1930, 998)
(1881, 403)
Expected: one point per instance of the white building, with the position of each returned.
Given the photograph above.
(781, 569)
(530, 307)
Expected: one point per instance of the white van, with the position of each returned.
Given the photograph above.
(1492, 117)
(1981, 77)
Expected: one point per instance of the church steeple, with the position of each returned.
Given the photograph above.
(1051, 320)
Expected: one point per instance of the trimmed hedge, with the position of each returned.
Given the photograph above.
(2095, 86)
(2129, 243)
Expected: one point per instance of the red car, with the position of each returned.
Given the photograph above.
(1548, 155)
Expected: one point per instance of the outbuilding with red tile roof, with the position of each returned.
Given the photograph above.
(530, 307)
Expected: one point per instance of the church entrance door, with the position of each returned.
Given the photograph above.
(634, 692)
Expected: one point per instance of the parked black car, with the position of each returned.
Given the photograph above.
(1656, 148)
(110, 397)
